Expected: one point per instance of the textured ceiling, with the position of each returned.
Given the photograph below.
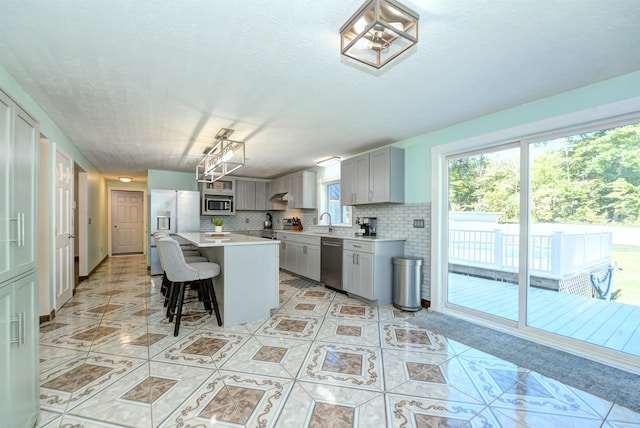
(146, 84)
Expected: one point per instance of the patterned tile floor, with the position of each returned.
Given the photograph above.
(109, 359)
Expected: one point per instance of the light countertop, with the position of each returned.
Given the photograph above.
(207, 239)
(349, 237)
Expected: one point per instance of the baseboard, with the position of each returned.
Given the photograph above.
(425, 303)
(47, 318)
(98, 266)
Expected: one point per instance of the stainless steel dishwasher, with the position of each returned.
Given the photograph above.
(331, 262)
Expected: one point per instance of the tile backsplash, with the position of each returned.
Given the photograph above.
(394, 221)
(397, 221)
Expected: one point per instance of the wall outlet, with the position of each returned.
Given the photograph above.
(418, 223)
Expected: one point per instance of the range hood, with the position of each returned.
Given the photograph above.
(279, 197)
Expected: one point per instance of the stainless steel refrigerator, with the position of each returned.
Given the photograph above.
(171, 211)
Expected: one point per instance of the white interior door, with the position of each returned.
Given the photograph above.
(127, 220)
(64, 228)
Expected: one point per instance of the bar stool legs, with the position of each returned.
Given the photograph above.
(176, 295)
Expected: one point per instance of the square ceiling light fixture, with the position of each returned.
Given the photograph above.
(223, 158)
(378, 32)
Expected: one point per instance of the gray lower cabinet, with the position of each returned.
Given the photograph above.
(367, 270)
(308, 257)
(19, 353)
(287, 251)
(300, 254)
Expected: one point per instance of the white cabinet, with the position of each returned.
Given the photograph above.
(373, 178)
(367, 269)
(19, 371)
(18, 153)
(300, 254)
(19, 352)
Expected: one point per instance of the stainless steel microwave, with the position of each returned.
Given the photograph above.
(214, 204)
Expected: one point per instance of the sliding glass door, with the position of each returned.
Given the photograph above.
(483, 231)
(554, 247)
(585, 211)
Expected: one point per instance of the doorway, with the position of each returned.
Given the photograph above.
(127, 222)
(64, 235)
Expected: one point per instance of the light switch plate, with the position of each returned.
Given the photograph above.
(418, 223)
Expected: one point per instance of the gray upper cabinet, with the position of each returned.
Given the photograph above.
(373, 178)
(251, 195)
(302, 190)
(245, 195)
(261, 196)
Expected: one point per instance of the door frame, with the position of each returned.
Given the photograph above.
(145, 204)
(71, 210)
(610, 115)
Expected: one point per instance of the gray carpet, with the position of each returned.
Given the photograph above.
(603, 381)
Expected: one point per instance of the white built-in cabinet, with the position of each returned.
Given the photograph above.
(300, 254)
(376, 177)
(19, 382)
(367, 268)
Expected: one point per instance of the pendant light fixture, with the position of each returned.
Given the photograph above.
(223, 158)
(378, 32)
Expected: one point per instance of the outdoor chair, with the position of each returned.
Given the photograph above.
(602, 281)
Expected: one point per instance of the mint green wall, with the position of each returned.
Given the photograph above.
(171, 180)
(97, 231)
(418, 149)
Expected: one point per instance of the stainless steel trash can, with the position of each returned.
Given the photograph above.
(407, 278)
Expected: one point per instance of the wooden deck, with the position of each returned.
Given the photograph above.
(609, 324)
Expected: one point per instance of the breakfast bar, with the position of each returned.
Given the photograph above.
(247, 287)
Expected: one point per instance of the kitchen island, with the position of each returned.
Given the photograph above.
(247, 287)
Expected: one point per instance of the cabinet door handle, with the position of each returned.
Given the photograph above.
(20, 229)
(358, 258)
(304, 250)
(20, 337)
(353, 259)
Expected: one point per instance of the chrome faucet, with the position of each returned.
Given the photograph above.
(329, 215)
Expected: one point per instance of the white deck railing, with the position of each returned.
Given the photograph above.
(555, 255)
